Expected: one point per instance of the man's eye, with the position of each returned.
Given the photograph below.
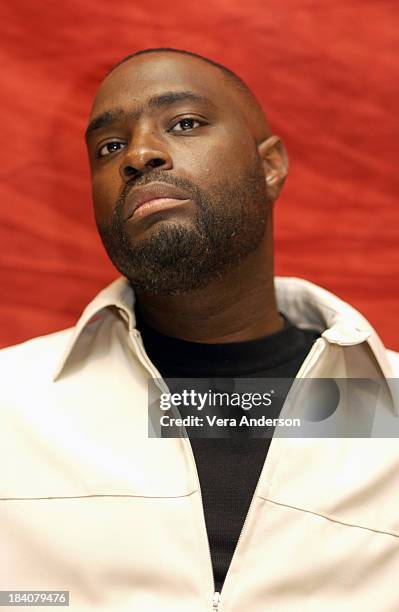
(186, 124)
(110, 147)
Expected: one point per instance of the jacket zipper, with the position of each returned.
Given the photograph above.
(216, 599)
(154, 372)
(145, 360)
(312, 357)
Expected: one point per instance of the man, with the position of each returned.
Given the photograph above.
(185, 171)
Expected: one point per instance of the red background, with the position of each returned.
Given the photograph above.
(326, 72)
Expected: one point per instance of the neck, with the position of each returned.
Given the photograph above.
(240, 306)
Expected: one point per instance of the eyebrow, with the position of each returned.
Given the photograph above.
(168, 98)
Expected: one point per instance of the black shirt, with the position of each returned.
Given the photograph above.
(228, 468)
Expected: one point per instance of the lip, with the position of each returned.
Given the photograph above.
(153, 191)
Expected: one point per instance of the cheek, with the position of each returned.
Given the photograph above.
(106, 188)
(223, 160)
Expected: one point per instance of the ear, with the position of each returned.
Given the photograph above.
(275, 163)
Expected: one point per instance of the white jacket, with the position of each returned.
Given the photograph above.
(90, 504)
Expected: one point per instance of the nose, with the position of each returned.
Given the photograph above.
(143, 154)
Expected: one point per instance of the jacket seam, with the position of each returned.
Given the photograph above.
(332, 519)
(98, 495)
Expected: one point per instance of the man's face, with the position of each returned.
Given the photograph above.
(175, 120)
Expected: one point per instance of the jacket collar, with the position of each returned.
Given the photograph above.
(304, 303)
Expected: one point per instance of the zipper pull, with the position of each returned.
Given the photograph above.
(216, 599)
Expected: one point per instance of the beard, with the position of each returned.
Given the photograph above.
(176, 258)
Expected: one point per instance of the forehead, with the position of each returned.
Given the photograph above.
(141, 77)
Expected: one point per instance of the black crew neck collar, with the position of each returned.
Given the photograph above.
(198, 358)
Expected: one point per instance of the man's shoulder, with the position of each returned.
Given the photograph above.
(36, 354)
